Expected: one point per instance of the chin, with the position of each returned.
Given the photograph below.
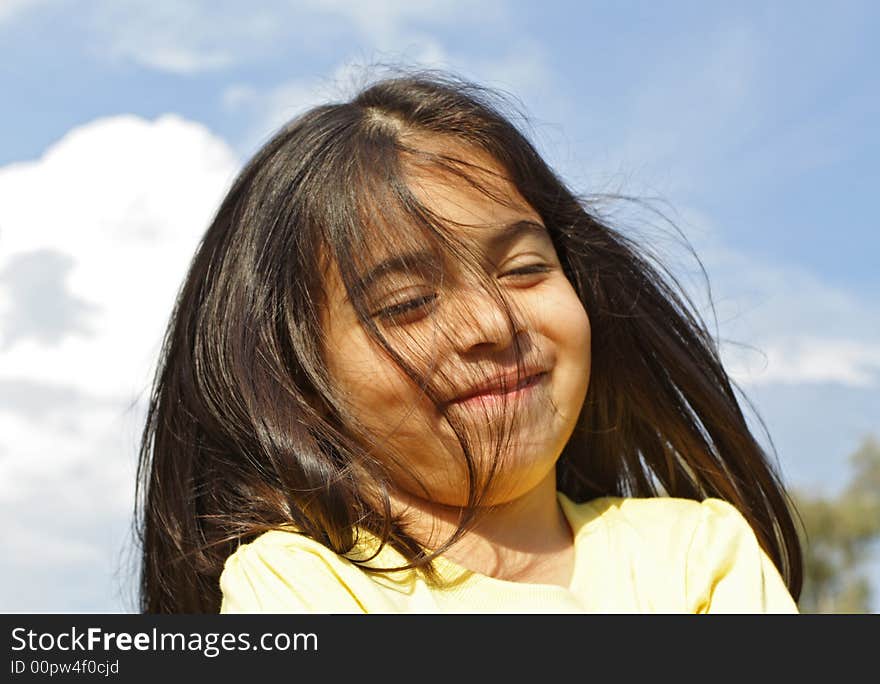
(519, 479)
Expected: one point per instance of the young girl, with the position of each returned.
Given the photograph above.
(410, 371)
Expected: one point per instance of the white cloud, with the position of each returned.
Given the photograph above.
(114, 210)
(385, 24)
(186, 38)
(779, 323)
(176, 59)
(14, 9)
(797, 360)
(125, 200)
(202, 35)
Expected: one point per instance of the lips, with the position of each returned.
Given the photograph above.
(500, 385)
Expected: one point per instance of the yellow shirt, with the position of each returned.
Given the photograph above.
(645, 555)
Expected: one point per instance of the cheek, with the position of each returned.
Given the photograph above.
(568, 326)
(566, 323)
(396, 422)
(375, 391)
(579, 333)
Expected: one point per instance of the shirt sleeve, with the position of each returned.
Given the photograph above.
(727, 571)
(285, 578)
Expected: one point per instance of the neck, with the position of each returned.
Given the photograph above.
(526, 539)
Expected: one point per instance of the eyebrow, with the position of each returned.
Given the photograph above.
(514, 230)
(403, 263)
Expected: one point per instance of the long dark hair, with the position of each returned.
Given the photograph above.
(245, 431)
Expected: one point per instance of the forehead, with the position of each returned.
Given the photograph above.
(465, 187)
(469, 197)
(472, 204)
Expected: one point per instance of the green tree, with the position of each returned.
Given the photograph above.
(839, 536)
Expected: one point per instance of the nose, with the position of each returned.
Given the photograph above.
(482, 324)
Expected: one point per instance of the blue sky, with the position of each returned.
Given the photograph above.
(124, 122)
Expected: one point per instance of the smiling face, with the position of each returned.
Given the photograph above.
(509, 365)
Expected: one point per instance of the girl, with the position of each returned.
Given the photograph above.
(410, 371)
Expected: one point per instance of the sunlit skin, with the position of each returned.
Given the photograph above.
(524, 536)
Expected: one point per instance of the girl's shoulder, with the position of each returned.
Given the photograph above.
(284, 541)
(657, 516)
(660, 532)
(703, 554)
(285, 571)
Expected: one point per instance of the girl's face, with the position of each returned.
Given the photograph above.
(466, 347)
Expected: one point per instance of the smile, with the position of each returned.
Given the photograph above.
(497, 397)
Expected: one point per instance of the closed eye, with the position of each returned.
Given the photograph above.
(410, 306)
(531, 269)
